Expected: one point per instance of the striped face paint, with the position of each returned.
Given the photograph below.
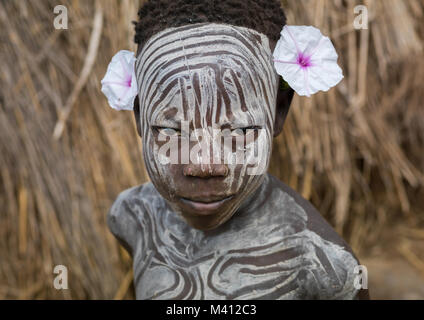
(206, 79)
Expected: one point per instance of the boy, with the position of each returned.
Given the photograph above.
(210, 227)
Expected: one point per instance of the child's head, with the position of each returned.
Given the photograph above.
(209, 101)
(264, 16)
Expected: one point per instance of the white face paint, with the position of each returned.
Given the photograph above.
(209, 77)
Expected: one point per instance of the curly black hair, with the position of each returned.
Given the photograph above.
(264, 16)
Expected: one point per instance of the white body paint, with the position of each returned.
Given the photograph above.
(268, 249)
(175, 261)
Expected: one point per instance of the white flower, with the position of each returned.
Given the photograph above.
(119, 84)
(307, 60)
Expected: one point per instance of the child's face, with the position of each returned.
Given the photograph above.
(203, 89)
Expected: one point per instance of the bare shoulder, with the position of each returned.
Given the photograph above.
(126, 213)
(314, 220)
(337, 262)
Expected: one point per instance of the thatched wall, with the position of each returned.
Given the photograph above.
(355, 152)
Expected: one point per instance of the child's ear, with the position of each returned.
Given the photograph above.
(284, 99)
(137, 115)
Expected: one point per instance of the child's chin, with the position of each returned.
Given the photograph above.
(208, 220)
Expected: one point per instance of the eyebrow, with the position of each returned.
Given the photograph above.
(242, 124)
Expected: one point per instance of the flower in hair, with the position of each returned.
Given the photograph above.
(119, 84)
(307, 60)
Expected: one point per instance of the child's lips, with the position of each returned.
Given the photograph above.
(205, 207)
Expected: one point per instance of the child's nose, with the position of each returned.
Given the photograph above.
(205, 171)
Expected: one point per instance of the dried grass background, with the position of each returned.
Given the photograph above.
(355, 152)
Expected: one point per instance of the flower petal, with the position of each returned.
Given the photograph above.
(119, 85)
(321, 74)
(325, 76)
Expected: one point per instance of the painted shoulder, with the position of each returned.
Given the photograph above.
(315, 221)
(125, 216)
(336, 268)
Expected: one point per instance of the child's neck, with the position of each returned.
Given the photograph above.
(255, 200)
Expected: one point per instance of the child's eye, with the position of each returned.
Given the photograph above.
(238, 132)
(233, 133)
(168, 132)
(244, 131)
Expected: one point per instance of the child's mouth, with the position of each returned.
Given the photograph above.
(205, 207)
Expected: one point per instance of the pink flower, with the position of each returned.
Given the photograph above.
(119, 84)
(307, 60)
